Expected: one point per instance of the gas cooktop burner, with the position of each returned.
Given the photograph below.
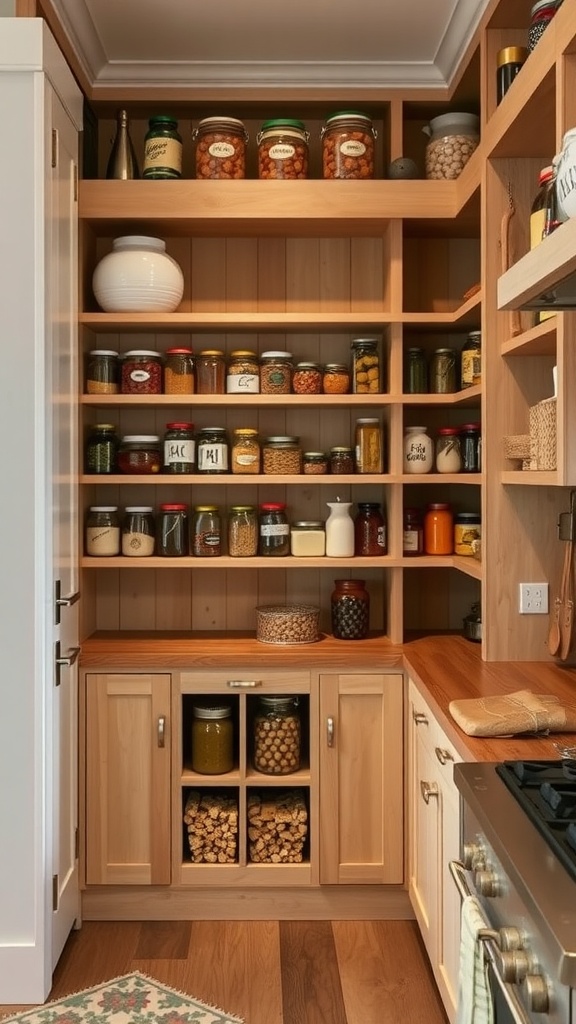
(546, 790)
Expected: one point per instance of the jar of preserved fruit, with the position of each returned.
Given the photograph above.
(220, 148)
(467, 529)
(471, 446)
(448, 452)
(277, 736)
(307, 379)
(172, 539)
(369, 529)
(348, 146)
(308, 538)
(350, 609)
(438, 529)
(102, 449)
(274, 531)
(212, 450)
(162, 148)
(336, 379)
(179, 372)
(282, 149)
(242, 531)
(141, 373)
(471, 360)
(369, 455)
(366, 366)
(138, 531)
(212, 739)
(276, 373)
(210, 372)
(206, 532)
(281, 455)
(140, 453)
(243, 377)
(413, 533)
(245, 456)
(416, 372)
(342, 460)
(418, 450)
(314, 463)
(443, 372)
(102, 372)
(103, 531)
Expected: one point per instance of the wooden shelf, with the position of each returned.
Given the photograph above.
(469, 566)
(539, 340)
(241, 401)
(530, 478)
(238, 480)
(547, 269)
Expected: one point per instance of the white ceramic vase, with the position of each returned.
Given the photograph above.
(418, 450)
(138, 276)
(339, 530)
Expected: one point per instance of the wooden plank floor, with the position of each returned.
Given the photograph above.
(267, 972)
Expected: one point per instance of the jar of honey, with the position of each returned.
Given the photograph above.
(212, 740)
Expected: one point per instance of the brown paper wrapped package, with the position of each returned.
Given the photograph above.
(522, 711)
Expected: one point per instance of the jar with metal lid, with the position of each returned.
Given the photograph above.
(243, 376)
(438, 529)
(220, 148)
(365, 366)
(308, 538)
(277, 735)
(418, 455)
(350, 610)
(140, 453)
(242, 531)
(369, 529)
(101, 453)
(471, 447)
(336, 379)
(443, 372)
(179, 372)
(245, 454)
(369, 456)
(212, 739)
(307, 379)
(281, 455)
(314, 463)
(276, 373)
(138, 531)
(509, 61)
(211, 372)
(413, 533)
(172, 539)
(540, 17)
(212, 450)
(273, 531)
(102, 372)
(179, 448)
(162, 148)
(416, 372)
(141, 373)
(467, 530)
(206, 531)
(342, 460)
(540, 205)
(452, 141)
(448, 451)
(348, 146)
(282, 149)
(103, 531)
(471, 360)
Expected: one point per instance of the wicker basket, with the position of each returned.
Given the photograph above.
(517, 446)
(543, 434)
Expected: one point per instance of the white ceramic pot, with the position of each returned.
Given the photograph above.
(565, 164)
(418, 450)
(138, 276)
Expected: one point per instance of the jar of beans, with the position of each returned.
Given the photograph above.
(206, 532)
(179, 372)
(243, 377)
(277, 735)
(245, 455)
(350, 608)
(172, 531)
(314, 463)
(138, 531)
(102, 375)
(242, 531)
(210, 372)
(452, 140)
(212, 450)
(348, 146)
(276, 373)
(179, 448)
(282, 149)
(273, 530)
(342, 460)
(336, 379)
(220, 148)
(281, 454)
(102, 449)
(307, 379)
(140, 453)
(141, 373)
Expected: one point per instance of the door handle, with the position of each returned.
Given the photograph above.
(62, 602)
(428, 790)
(330, 731)
(60, 661)
(443, 755)
(161, 731)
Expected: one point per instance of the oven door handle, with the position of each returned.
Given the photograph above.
(490, 940)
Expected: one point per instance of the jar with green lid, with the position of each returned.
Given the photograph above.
(415, 372)
(102, 372)
(348, 146)
(220, 149)
(212, 739)
(138, 531)
(211, 372)
(245, 454)
(243, 375)
(276, 373)
(179, 448)
(281, 455)
(366, 366)
(242, 531)
(179, 372)
(206, 532)
(282, 149)
(103, 531)
(162, 148)
(212, 450)
(277, 735)
(102, 449)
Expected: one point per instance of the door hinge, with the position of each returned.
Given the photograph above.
(76, 843)
(54, 147)
(75, 172)
(55, 892)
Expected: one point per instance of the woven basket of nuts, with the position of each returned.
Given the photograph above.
(287, 624)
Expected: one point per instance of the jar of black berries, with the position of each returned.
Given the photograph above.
(350, 606)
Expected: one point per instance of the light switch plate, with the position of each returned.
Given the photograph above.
(533, 599)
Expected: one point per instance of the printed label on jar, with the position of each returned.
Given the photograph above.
(352, 147)
(213, 456)
(211, 540)
(139, 376)
(410, 540)
(179, 451)
(242, 383)
(163, 153)
(470, 368)
(221, 150)
(246, 460)
(281, 151)
(275, 530)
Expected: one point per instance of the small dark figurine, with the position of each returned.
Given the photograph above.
(403, 167)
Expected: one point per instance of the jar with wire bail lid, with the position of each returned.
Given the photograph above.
(348, 146)
(282, 149)
(220, 148)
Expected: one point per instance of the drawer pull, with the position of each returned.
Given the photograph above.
(243, 684)
(443, 755)
(162, 731)
(428, 790)
(419, 718)
(330, 731)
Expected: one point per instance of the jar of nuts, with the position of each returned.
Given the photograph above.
(348, 146)
(276, 373)
(453, 139)
(366, 366)
(277, 736)
(281, 454)
(282, 149)
(243, 375)
(220, 148)
(242, 531)
(307, 379)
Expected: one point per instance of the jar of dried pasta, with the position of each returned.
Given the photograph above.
(243, 374)
(348, 146)
(220, 148)
(245, 455)
(282, 149)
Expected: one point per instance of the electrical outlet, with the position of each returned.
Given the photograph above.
(533, 599)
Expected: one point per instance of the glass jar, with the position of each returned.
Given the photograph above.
(365, 366)
(246, 454)
(369, 529)
(418, 456)
(276, 373)
(281, 455)
(467, 530)
(443, 372)
(103, 531)
(413, 533)
(471, 447)
(339, 530)
(369, 454)
(342, 460)
(212, 450)
(282, 149)
(350, 610)
(273, 531)
(452, 140)
(243, 531)
(220, 148)
(206, 532)
(138, 531)
(179, 372)
(314, 463)
(448, 452)
(308, 538)
(140, 453)
(348, 146)
(471, 360)
(243, 376)
(210, 372)
(212, 739)
(540, 17)
(336, 379)
(277, 736)
(509, 61)
(416, 372)
(162, 148)
(539, 206)
(438, 529)
(179, 448)
(307, 379)
(172, 540)
(141, 373)
(102, 372)
(102, 449)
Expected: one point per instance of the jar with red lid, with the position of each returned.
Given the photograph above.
(179, 448)
(139, 453)
(179, 372)
(438, 529)
(413, 533)
(540, 17)
(350, 610)
(172, 540)
(273, 530)
(141, 373)
(348, 146)
(448, 453)
(369, 529)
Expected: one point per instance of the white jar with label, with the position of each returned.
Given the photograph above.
(418, 450)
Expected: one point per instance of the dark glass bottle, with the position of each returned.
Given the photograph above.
(122, 162)
(416, 372)
(102, 449)
(162, 148)
(413, 533)
(369, 529)
(350, 606)
(470, 446)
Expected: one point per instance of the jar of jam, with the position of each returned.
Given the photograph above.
(246, 454)
(369, 529)
(471, 447)
(368, 450)
(443, 372)
(162, 148)
(342, 460)
(102, 449)
(141, 373)
(138, 531)
(350, 610)
(314, 463)
(140, 453)
(413, 533)
(276, 373)
(448, 452)
(307, 379)
(102, 372)
(103, 531)
(172, 540)
(212, 739)
(438, 529)
(220, 148)
(282, 149)
(348, 146)
(366, 366)
(336, 379)
(274, 531)
(212, 450)
(179, 372)
(206, 532)
(277, 735)
(243, 376)
(281, 455)
(243, 531)
(210, 372)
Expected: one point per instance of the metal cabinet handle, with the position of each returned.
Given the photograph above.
(60, 661)
(243, 684)
(330, 731)
(161, 733)
(419, 718)
(443, 755)
(70, 657)
(62, 602)
(428, 790)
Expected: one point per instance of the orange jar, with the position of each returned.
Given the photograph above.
(438, 530)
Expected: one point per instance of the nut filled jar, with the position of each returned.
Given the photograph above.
(243, 376)
(179, 372)
(350, 609)
(276, 373)
(212, 450)
(211, 372)
(281, 455)
(172, 540)
(138, 531)
(245, 454)
(277, 736)
(242, 531)
(179, 448)
(140, 453)
(206, 532)
(103, 531)
(141, 373)
(365, 366)
(102, 372)
(274, 530)
(212, 739)
(282, 149)
(220, 148)
(348, 146)
(453, 139)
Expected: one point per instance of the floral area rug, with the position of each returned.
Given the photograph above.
(131, 999)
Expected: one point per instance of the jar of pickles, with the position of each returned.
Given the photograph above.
(282, 149)
(102, 372)
(212, 450)
(206, 532)
(245, 455)
(138, 531)
(243, 376)
(162, 148)
(212, 739)
(220, 148)
(179, 448)
(179, 372)
(141, 373)
(277, 735)
(366, 366)
(210, 372)
(348, 146)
